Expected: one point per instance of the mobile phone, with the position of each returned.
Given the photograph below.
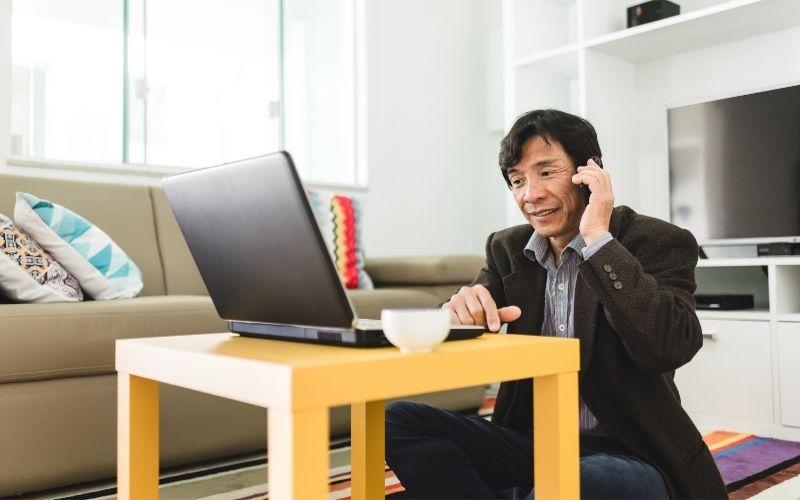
(583, 187)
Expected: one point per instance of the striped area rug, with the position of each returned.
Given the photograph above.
(751, 464)
(339, 486)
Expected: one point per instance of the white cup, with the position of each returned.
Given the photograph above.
(415, 330)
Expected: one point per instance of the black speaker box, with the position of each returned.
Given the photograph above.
(653, 10)
(781, 248)
(723, 301)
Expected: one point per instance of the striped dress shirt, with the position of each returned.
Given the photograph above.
(559, 300)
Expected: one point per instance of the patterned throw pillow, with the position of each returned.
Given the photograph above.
(28, 273)
(339, 219)
(100, 266)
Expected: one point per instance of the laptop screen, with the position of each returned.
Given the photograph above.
(255, 241)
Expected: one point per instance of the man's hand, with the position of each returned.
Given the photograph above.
(473, 305)
(597, 215)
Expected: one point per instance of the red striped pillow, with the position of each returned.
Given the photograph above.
(339, 219)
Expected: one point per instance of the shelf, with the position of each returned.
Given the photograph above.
(791, 318)
(743, 315)
(562, 61)
(718, 24)
(750, 262)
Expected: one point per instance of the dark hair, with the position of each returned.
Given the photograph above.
(576, 135)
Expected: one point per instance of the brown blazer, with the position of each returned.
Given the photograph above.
(635, 318)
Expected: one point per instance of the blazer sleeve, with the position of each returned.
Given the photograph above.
(646, 289)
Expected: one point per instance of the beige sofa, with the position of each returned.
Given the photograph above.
(57, 378)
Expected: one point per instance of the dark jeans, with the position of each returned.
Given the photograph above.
(440, 454)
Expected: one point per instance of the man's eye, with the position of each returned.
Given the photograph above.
(545, 173)
(517, 181)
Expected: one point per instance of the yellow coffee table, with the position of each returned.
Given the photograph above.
(298, 383)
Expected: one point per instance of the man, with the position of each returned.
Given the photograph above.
(620, 282)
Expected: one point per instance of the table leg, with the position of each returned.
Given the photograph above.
(367, 450)
(298, 453)
(137, 437)
(556, 466)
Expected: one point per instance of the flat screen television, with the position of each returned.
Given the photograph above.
(734, 168)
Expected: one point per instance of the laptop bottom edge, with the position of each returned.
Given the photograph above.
(316, 335)
(353, 338)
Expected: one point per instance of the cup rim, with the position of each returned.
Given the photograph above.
(413, 309)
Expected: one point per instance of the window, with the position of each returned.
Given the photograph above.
(320, 93)
(208, 88)
(180, 83)
(67, 80)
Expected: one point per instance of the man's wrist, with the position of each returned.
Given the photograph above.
(595, 244)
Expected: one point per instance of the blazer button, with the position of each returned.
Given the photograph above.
(607, 268)
(618, 285)
(613, 276)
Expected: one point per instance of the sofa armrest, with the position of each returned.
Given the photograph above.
(433, 270)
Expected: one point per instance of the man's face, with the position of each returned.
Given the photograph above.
(542, 187)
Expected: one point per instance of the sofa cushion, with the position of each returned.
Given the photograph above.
(28, 273)
(435, 270)
(102, 268)
(44, 341)
(339, 219)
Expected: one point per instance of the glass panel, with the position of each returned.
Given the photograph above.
(319, 71)
(212, 72)
(204, 82)
(67, 69)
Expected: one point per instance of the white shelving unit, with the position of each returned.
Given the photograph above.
(578, 56)
(747, 376)
(718, 23)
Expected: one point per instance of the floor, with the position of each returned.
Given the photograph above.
(247, 480)
(787, 490)
(250, 480)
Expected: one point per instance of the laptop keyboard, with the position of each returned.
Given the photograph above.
(375, 324)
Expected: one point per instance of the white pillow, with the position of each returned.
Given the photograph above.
(100, 266)
(28, 273)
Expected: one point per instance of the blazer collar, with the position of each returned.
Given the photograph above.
(587, 310)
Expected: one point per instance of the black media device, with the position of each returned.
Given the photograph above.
(583, 187)
(780, 248)
(653, 10)
(730, 155)
(723, 301)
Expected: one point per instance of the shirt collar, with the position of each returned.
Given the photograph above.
(538, 247)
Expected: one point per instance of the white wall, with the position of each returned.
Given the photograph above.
(5, 79)
(742, 67)
(434, 123)
(433, 131)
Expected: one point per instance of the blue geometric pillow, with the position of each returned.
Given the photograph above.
(103, 270)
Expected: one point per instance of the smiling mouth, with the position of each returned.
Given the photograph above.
(542, 213)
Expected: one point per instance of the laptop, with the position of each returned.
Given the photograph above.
(259, 250)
